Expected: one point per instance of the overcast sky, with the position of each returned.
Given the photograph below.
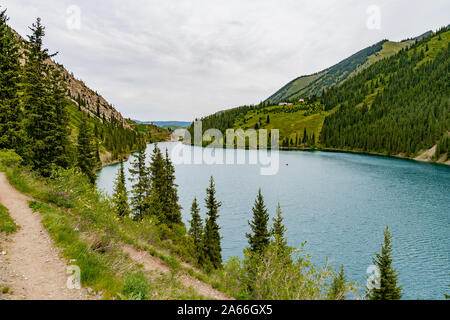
(177, 60)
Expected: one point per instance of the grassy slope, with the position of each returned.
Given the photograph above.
(389, 49)
(290, 124)
(313, 84)
(81, 223)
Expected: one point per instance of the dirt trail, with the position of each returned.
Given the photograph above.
(152, 263)
(31, 267)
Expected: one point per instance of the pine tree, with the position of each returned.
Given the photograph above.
(338, 287)
(260, 237)
(11, 135)
(141, 185)
(305, 136)
(196, 229)
(157, 193)
(171, 208)
(44, 105)
(278, 229)
(120, 195)
(86, 151)
(212, 250)
(389, 288)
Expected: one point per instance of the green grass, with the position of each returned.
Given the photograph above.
(7, 224)
(82, 223)
(98, 270)
(434, 46)
(388, 49)
(290, 124)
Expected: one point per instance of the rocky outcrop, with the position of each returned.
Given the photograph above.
(88, 100)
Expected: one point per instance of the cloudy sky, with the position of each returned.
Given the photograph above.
(177, 59)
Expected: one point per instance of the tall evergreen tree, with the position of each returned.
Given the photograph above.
(157, 195)
(260, 237)
(44, 106)
(141, 185)
(196, 228)
(212, 250)
(86, 151)
(389, 288)
(305, 136)
(120, 195)
(338, 287)
(171, 208)
(278, 229)
(11, 135)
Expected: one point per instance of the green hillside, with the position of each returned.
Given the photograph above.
(399, 105)
(305, 86)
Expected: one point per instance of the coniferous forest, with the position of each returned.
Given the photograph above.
(41, 120)
(398, 105)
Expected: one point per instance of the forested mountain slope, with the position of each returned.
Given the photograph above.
(308, 85)
(397, 103)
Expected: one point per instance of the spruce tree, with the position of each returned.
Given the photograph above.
(260, 237)
(141, 185)
(196, 228)
(171, 208)
(11, 135)
(278, 229)
(212, 250)
(389, 288)
(120, 195)
(86, 151)
(338, 288)
(157, 193)
(44, 105)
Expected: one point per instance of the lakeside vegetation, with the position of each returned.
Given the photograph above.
(92, 228)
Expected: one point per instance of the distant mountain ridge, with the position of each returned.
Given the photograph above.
(313, 84)
(166, 124)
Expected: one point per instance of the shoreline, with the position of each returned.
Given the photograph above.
(446, 163)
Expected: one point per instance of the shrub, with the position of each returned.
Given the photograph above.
(275, 275)
(10, 158)
(136, 287)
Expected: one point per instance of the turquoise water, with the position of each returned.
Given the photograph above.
(340, 204)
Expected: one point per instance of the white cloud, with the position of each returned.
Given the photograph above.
(177, 60)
